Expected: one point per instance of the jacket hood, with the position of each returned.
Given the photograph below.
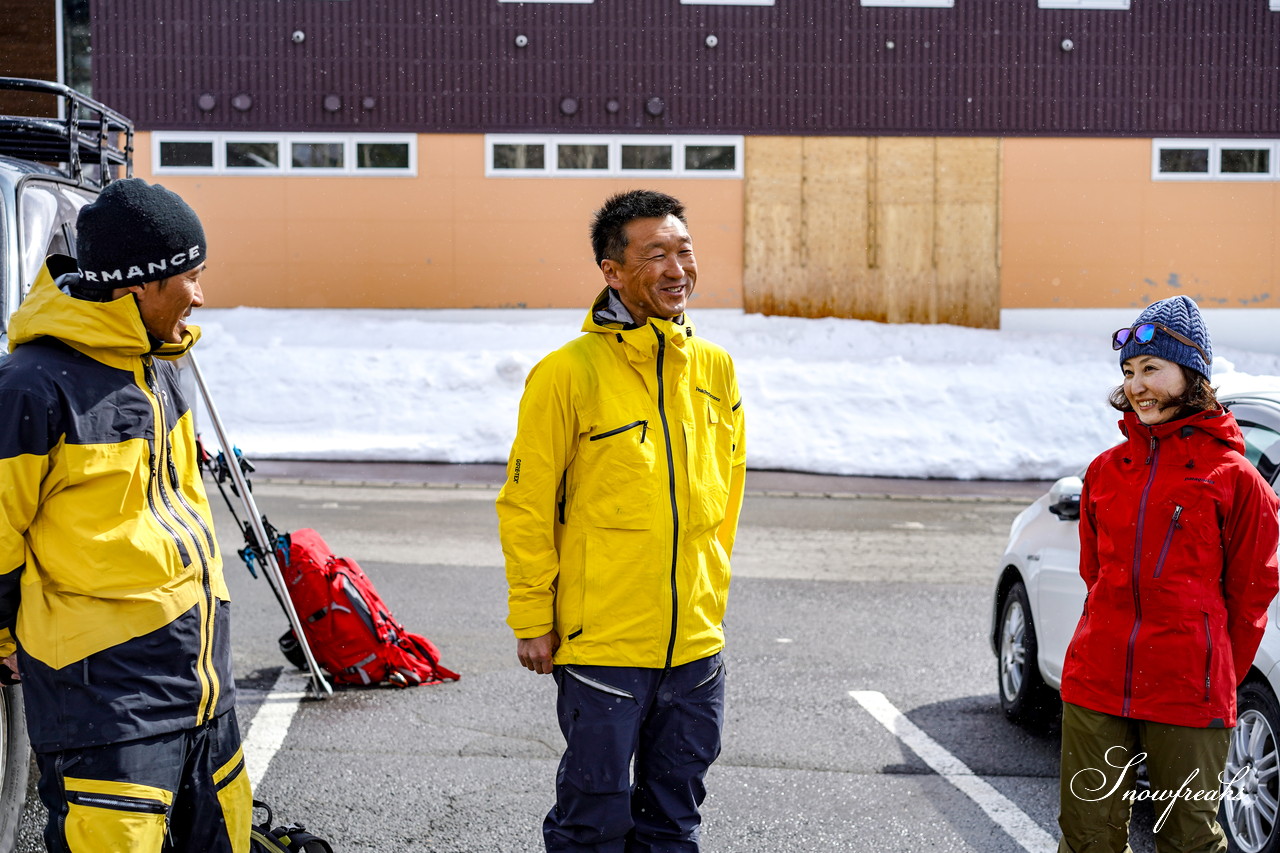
(103, 330)
(608, 314)
(1218, 424)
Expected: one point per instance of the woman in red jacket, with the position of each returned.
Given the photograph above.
(1178, 537)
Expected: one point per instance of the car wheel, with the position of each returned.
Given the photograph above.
(1024, 696)
(15, 755)
(1251, 799)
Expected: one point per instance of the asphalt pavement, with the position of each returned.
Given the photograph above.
(841, 585)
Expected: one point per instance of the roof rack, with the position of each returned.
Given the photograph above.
(88, 134)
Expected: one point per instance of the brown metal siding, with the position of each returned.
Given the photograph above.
(810, 67)
(28, 48)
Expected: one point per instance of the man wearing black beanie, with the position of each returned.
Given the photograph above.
(112, 601)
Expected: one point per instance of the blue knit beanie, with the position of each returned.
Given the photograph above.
(1180, 314)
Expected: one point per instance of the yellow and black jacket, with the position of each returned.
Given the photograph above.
(110, 576)
(623, 491)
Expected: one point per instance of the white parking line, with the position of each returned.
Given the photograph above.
(271, 723)
(998, 807)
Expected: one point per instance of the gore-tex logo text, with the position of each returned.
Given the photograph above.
(708, 393)
(156, 270)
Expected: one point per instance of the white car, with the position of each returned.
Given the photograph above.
(1039, 596)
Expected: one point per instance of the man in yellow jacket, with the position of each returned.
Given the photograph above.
(617, 520)
(111, 585)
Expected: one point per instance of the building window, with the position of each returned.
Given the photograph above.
(383, 155)
(518, 156)
(195, 153)
(317, 155)
(933, 4)
(582, 156)
(1083, 4)
(596, 156)
(252, 154)
(187, 155)
(1214, 160)
(640, 158)
(710, 158)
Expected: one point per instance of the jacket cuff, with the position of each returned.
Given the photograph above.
(533, 631)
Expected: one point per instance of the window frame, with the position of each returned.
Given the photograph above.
(909, 4)
(726, 2)
(551, 155)
(615, 143)
(350, 145)
(348, 149)
(1105, 5)
(515, 139)
(1215, 148)
(187, 137)
(282, 152)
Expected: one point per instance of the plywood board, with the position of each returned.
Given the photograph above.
(967, 228)
(835, 227)
(773, 223)
(901, 230)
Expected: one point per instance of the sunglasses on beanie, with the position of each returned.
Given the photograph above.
(1144, 332)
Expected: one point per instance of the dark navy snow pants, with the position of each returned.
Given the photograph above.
(184, 791)
(668, 721)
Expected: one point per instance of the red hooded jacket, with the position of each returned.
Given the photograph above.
(1178, 537)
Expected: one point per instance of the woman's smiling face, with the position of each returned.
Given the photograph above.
(1154, 388)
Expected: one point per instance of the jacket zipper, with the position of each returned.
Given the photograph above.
(1208, 657)
(1152, 458)
(155, 453)
(204, 668)
(671, 487)
(1168, 537)
(644, 428)
(59, 764)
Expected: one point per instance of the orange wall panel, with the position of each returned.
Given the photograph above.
(1085, 226)
(446, 238)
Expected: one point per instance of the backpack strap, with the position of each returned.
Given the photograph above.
(290, 838)
(295, 837)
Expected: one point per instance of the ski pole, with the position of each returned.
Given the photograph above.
(270, 566)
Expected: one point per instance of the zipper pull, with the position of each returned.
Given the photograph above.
(1177, 513)
(644, 428)
(1151, 451)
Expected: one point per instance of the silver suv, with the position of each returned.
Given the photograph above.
(49, 169)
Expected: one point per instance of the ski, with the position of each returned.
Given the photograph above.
(255, 534)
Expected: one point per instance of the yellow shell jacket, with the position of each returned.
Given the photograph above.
(623, 491)
(110, 576)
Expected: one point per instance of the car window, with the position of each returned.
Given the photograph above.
(48, 213)
(1262, 448)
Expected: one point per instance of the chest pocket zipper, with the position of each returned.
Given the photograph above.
(1168, 537)
(644, 429)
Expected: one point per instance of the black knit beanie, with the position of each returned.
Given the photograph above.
(135, 232)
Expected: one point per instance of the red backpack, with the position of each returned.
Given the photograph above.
(349, 627)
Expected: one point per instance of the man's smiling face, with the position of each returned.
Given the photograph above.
(657, 272)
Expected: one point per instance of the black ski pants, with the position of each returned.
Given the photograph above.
(667, 723)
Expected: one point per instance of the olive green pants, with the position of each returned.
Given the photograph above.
(1100, 757)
